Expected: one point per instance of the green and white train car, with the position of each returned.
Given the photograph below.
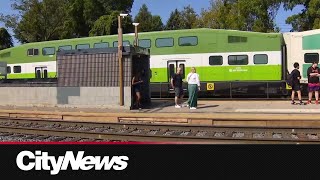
(228, 61)
(304, 48)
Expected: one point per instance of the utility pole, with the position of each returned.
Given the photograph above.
(136, 41)
(120, 42)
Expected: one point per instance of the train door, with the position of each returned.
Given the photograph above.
(172, 68)
(41, 72)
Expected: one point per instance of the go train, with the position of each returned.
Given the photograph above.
(230, 63)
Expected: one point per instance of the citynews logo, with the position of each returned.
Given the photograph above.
(42, 161)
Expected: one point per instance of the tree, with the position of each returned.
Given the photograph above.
(148, 22)
(246, 15)
(38, 21)
(5, 39)
(108, 25)
(175, 21)
(220, 15)
(259, 15)
(189, 17)
(308, 19)
(157, 24)
(42, 20)
(86, 16)
(144, 18)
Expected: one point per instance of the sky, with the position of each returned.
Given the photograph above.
(164, 8)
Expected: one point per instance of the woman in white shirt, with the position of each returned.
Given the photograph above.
(193, 88)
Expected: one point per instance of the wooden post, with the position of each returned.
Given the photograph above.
(120, 40)
(136, 35)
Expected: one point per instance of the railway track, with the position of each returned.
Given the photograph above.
(75, 131)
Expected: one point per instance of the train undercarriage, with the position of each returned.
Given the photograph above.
(228, 90)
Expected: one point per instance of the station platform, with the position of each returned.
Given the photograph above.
(209, 113)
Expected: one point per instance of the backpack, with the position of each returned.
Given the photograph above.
(289, 79)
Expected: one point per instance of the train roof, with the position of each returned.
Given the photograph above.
(303, 33)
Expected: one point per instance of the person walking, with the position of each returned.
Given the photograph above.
(313, 82)
(193, 88)
(176, 84)
(296, 76)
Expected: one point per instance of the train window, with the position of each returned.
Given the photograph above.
(17, 69)
(238, 60)
(33, 52)
(48, 51)
(124, 43)
(8, 70)
(215, 60)
(45, 74)
(38, 74)
(237, 39)
(182, 67)
(145, 43)
(171, 70)
(188, 41)
(65, 48)
(260, 59)
(101, 45)
(311, 57)
(30, 52)
(164, 42)
(82, 46)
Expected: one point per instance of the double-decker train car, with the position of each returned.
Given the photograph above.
(304, 48)
(230, 63)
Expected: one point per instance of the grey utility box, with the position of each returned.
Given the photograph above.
(93, 69)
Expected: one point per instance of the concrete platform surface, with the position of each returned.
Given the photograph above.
(209, 113)
(166, 106)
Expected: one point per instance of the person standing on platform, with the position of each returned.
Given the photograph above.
(313, 82)
(136, 84)
(176, 84)
(193, 88)
(296, 76)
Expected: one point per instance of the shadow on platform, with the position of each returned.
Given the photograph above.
(209, 106)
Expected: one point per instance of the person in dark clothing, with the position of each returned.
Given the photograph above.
(296, 76)
(176, 84)
(136, 85)
(313, 82)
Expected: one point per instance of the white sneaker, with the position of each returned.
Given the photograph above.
(193, 108)
(177, 106)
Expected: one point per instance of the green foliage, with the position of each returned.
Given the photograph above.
(108, 25)
(148, 22)
(157, 24)
(144, 18)
(175, 20)
(43, 20)
(188, 17)
(38, 21)
(308, 19)
(5, 39)
(185, 19)
(246, 15)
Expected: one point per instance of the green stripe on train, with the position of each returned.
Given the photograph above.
(212, 73)
(226, 73)
(29, 75)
